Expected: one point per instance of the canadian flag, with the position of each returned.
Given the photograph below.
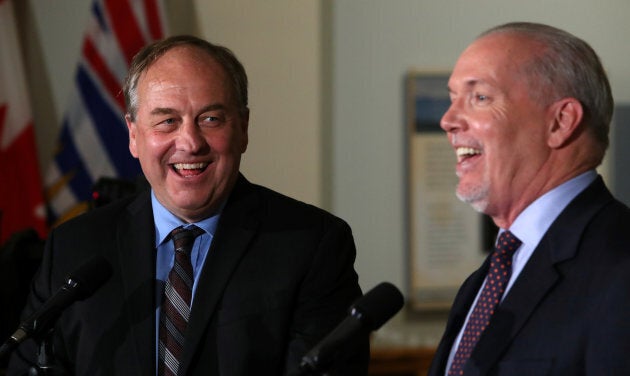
(21, 196)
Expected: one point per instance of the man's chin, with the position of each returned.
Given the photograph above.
(478, 200)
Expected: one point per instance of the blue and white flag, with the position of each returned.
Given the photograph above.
(93, 142)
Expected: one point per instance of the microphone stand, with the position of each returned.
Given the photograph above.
(310, 366)
(302, 371)
(45, 359)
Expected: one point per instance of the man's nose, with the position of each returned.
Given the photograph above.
(191, 138)
(452, 119)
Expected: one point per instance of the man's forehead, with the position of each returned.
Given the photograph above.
(491, 56)
(467, 83)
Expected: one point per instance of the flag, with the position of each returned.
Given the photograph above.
(93, 142)
(21, 196)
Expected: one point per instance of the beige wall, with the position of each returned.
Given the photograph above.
(375, 43)
(329, 134)
(279, 43)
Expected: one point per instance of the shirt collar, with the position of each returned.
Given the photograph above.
(531, 225)
(165, 221)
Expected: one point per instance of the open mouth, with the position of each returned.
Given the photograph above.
(189, 169)
(465, 153)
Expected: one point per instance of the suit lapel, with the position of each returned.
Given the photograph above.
(541, 273)
(135, 238)
(237, 226)
(534, 282)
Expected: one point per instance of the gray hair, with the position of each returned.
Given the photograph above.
(568, 67)
(152, 52)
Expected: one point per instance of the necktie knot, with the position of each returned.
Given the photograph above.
(184, 237)
(507, 244)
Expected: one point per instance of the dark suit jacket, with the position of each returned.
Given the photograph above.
(278, 277)
(568, 313)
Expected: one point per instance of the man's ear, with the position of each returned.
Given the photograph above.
(566, 116)
(244, 124)
(131, 127)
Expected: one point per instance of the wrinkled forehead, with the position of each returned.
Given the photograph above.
(186, 67)
(185, 59)
(502, 48)
(496, 58)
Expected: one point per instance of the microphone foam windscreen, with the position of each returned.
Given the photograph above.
(379, 304)
(91, 275)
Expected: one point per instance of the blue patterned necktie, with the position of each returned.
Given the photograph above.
(498, 276)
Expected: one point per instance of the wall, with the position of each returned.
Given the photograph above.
(374, 44)
(330, 134)
(277, 41)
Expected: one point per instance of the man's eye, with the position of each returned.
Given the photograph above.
(481, 97)
(169, 121)
(210, 120)
(167, 124)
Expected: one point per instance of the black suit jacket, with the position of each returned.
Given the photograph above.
(278, 277)
(568, 312)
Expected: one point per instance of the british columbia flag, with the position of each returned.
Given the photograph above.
(93, 142)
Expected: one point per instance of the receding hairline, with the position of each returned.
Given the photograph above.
(152, 53)
(194, 54)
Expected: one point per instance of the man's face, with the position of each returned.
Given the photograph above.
(188, 133)
(496, 128)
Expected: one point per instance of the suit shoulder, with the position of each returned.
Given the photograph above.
(104, 217)
(286, 209)
(612, 219)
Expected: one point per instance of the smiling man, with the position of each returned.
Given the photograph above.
(212, 275)
(188, 128)
(529, 119)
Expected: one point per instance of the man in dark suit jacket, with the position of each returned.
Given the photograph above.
(529, 118)
(277, 277)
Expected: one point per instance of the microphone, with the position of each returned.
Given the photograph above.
(80, 284)
(368, 313)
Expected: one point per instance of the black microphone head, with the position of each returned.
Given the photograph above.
(379, 305)
(91, 275)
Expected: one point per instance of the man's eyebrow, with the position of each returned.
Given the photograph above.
(470, 83)
(213, 107)
(169, 111)
(162, 111)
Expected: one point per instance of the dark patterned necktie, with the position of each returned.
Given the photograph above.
(498, 276)
(176, 302)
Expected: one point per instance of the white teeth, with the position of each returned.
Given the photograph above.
(190, 166)
(463, 151)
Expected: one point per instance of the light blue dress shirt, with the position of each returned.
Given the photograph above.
(529, 227)
(165, 222)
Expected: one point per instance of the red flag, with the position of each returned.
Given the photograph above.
(21, 196)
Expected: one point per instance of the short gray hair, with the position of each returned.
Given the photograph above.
(152, 52)
(568, 67)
